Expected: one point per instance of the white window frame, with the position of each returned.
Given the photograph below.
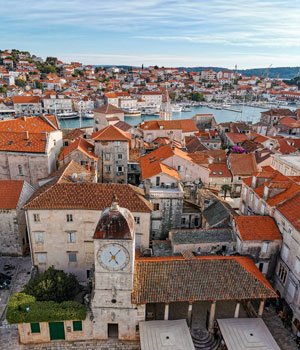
(39, 237)
(69, 217)
(72, 254)
(71, 236)
(36, 217)
(41, 258)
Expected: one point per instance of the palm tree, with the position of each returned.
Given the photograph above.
(225, 189)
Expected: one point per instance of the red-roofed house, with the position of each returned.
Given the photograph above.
(29, 147)
(13, 233)
(287, 276)
(27, 105)
(259, 237)
(112, 149)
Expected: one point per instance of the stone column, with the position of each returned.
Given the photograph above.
(237, 310)
(166, 316)
(212, 317)
(189, 317)
(261, 308)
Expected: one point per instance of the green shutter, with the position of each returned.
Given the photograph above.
(35, 327)
(77, 326)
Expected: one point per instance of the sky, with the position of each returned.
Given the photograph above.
(223, 33)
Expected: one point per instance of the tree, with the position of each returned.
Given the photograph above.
(38, 84)
(51, 61)
(53, 285)
(225, 189)
(20, 82)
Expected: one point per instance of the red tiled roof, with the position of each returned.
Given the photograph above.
(10, 191)
(219, 170)
(243, 164)
(290, 209)
(171, 279)
(186, 125)
(33, 125)
(236, 137)
(257, 228)
(111, 133)
(109, 109)
(18, 142)
(26, 99)
(93, 196)
(81, 145)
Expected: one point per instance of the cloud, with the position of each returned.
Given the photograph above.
(225, 25)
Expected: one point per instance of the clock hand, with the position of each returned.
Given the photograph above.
(117, 252)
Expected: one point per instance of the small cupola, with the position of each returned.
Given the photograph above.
(115, 222)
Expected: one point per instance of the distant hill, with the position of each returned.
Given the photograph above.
(281, 72)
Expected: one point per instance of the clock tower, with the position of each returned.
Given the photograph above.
(114, 251)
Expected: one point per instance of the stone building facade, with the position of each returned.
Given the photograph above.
(112, 150)
(13, 231)
(61, 232)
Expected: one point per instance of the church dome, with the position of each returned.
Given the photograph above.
(115, 223)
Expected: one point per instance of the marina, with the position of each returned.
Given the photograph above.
(233, 113)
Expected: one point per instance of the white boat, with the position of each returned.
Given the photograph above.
(186, 109)
(132, 112)
(226, 105)
(149, 111)
(176, 108)
(67, 115)
(88, 115)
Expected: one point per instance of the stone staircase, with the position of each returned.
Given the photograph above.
(204, 340)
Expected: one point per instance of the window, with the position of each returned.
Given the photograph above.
(282, 273)
(196, 222)
(107, 156)
(20, 169)
(72, 257)
(285, 252)
(120, 156)
(120, 169)
(71, 237)
(297, 265)
(107, 169)
(179, 167)
(156, 206)
(183, 220)
(77, 326)
(36, 217)
(264, 248)
(117, 143)
(291, 289)
(137, 219)
(69, 217)
(157, 180)
(41, 258)
(39, 237)
(262, 209)
(35, 327)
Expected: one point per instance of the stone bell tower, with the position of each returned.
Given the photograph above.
(114, 252)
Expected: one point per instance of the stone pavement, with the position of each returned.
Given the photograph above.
(20, 274)
(282, 335)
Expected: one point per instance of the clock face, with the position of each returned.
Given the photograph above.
(113, 257)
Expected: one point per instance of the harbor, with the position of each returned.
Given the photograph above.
(227, 114)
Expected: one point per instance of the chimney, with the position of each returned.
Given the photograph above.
(26, 135)
(24, 118)
(253, 184)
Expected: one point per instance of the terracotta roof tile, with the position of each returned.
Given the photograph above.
(290, 210)
(109, 109)
(10, 191)
(94, 196)
(81, 145)
(257, 228)
(186, 125)
(18, 142)
(171, 279)
(111, 133)
(33, 125)
(243, 164)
